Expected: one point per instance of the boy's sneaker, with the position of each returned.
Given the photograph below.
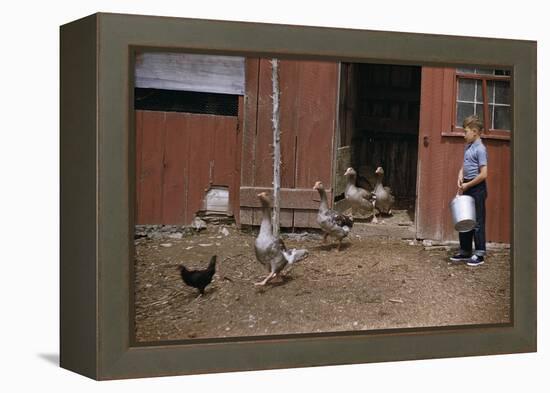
(476, 260)
(460, 257)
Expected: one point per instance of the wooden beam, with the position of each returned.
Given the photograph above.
(291, 198)
(190, 72)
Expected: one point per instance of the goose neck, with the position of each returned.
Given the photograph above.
(324, 201)
(265, 225)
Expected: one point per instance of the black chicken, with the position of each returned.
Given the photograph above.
(199, 278)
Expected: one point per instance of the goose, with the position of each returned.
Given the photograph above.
(270, 250)
(359, 198)
(384, 198)
(332, 223)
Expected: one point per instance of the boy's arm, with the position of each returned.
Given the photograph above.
(476, 180)
(460, 177)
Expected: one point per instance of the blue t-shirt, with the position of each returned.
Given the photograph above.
(475, 156)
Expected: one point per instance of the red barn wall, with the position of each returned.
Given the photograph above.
(178, 157)
(441, 157)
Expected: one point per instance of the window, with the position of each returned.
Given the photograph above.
(487, 94)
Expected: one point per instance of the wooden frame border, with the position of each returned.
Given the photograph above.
(97, 181)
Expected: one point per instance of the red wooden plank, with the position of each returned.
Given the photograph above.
(252, 70)
(499, 214)
(234, 194)
(432, 178)
(199, 130)
(422, 184)
(138, 169)
(316, 122)
(505, 212)
(495, 189)
(257, 217)
(305, 218)
(225, 158)
(289, 84)
(224, 150)
(285, 217)
(452, 150)
(247, 216)
(291, 198)
(175, 171)
(150, 182)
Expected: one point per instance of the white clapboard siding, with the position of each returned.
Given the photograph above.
(190, 72)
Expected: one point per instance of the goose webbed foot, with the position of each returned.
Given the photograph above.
(266, 280)
(374, 219)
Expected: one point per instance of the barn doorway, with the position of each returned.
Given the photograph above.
(379, 126)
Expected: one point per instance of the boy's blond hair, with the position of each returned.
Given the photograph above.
(473, 122)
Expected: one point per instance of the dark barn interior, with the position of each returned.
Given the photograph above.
(380, 125)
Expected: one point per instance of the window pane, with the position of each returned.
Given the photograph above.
(502, 118)
(502, 92)
(491, 122)
(463, 110)
(479, 111)
(465, 70)
(491, 92)
(484, 71)
(502, 72)
(466, 88)
(479, 91)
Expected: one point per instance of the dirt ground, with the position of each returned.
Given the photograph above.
(373, 283)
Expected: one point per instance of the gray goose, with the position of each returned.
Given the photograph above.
(271, 251)
(332, 223)
(359, 198)
(384, 198)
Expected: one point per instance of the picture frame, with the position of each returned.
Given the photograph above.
(97, 188)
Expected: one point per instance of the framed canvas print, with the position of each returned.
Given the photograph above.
(252, 196)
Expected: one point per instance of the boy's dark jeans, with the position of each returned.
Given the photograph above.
(479, 193)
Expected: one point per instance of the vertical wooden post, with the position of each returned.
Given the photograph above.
(276, 148)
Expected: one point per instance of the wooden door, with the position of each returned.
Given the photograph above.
(437, 164)
(179, 157)
(307, 120)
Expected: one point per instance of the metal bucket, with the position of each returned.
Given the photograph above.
(463, 211)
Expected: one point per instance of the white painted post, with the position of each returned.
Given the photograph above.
(276, 148)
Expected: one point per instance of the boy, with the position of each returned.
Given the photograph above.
(471, 181)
